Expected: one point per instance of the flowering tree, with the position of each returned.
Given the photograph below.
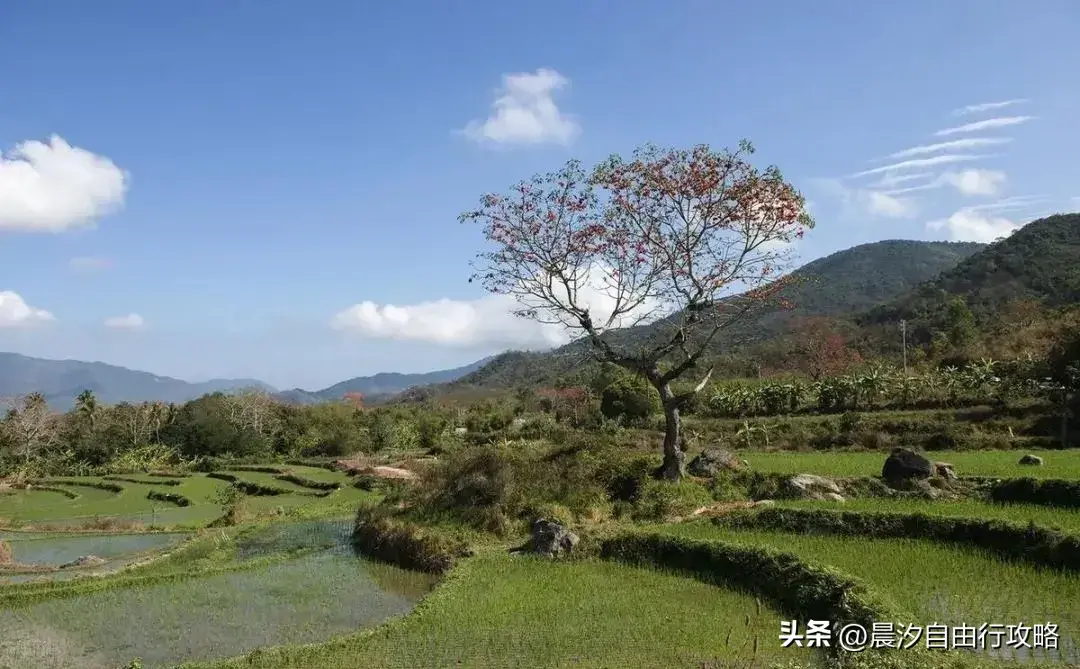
(824, 350)
(698, 236)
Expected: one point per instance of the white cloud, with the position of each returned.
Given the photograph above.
(999, 122)
(525, 112)
(969, 225)
(884, 204)
(952, 145)
(55, 186)
(89, 264)
(128, 322)
(975, 182)
(1016, 202)
(15, 312)
(946, 159)
(860, 202)
(486, 321)
(987, 106)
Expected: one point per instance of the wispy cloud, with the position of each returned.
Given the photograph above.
(987, 124)
(952, 145)
(975, 182)
(893, 180)
(946, 159)
(128, 322)
(987, 106)
(89, 264)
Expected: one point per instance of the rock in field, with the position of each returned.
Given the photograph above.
(810, 486)
(84, 561)
(712, 461)
(904, 464)
(1030, 459)
(551, 539)
(945, 471)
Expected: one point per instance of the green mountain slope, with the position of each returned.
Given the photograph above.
(842, 284)
(1039, 262)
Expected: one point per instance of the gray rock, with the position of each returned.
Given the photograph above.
(809, 486)
(712, 461)
(1030, 459)
(945, 471)
(84, 561)
(903, 464)
(461, 431)
(551, 539)
(765, 502)
(834, 497)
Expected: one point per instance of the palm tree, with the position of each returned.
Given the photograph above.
(86, 407)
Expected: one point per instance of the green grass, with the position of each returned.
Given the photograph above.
(1057, 464)
(502, 611)
(932, 582)
(1067, 520)
(268, 480)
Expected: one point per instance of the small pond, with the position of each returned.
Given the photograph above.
(55, 550)
(302, 600)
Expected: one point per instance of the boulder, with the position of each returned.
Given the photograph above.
(765, 502)
(84, 561)
(551, 539)
(809, 486)
(461, 431)
(712, 461)
(834, 497)
(396, 473)
(945, 471)
(1030, 459)
(904, 464)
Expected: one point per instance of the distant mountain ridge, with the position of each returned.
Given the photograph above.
(61, 381)
(379, 385)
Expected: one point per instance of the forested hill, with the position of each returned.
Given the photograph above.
(1039, 262)
(845, 283)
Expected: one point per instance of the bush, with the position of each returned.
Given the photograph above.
(660, 500)
(629, 399)
(406, 544)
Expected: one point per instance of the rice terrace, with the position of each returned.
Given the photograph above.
(689, 410)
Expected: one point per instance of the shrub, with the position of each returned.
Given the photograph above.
(659, 500)
(630, 399)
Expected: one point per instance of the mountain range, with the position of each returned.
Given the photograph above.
(61, 381)
(871, 284)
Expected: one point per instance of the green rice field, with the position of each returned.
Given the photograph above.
(1067, 520)
(932, 582)
(1063, 464)
(501, 611)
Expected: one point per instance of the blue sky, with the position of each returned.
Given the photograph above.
(229, 178)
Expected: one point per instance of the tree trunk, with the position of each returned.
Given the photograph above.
(674, 467)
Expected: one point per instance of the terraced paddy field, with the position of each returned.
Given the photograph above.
(1063, 464)
(86, 501)
(932, 582)
(1067, 520)
(497, 610)
(179, 610)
